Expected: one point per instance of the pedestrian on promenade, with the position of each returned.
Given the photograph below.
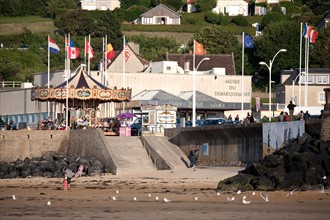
(291, 107)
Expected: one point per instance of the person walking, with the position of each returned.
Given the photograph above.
(291, 107)
(69, 175)
(192, 157)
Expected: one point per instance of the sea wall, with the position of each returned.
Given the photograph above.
(225, 144)
(92, 143)
(19, 144)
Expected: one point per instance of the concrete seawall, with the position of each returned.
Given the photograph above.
(221, 144)
(23, 143)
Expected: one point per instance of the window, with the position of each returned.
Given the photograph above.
(321, 97)
(168, 68)
(322, 79)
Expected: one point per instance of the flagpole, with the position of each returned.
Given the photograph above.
(89, 54)
(85, 52)
(307, 70)
(124, 68)
(300, 61)
(105, 65)
(67, 88)
(193, 119)
(306, 54)
(48, 73)
(242, 72)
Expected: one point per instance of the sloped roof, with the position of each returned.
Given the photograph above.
(295, 72)
(160, 10)
(182, 100)
(202, 100)
(216, 61)
(80, 80)
(140, 58)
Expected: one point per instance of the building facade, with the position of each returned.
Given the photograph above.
(305, 90)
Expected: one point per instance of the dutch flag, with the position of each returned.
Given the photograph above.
(53, 48)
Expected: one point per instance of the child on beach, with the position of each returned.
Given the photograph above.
(65, 183)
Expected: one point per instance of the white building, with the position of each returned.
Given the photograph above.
(101, 5)
(232, 7)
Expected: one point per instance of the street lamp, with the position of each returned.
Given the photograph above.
(299, 90)
(270, 78)
(194, 92)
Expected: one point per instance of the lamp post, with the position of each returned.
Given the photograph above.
(299, 90)
(194, 92)
(270, 78)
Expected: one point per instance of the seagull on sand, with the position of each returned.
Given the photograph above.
(239, 192)
(48, 203)
(134, 198)
(117, 191)
(167, 200)
(14, 197)
(196, 198)
(245, 201)
(218, 194)
(291, 192)
(114, 198)
(149, 195)
(264, 197)
(157, 198)
(253, 193)
(230, 199)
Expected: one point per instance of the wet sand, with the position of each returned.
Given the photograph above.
(192, 193)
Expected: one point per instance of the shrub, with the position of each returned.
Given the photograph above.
(212, 18)
(240, 20)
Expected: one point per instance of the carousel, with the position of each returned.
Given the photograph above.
(81, 95)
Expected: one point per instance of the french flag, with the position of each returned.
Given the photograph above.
(53, 47)
(72, 51)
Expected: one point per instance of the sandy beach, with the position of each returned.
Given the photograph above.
(192, 195)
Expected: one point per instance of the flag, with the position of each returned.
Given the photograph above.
(127, 53)
(89, 49)
(110, 53)
(72, 51)
(198, 48)
(53, 47)
(314, 34)
(307, 31)
(248, 41)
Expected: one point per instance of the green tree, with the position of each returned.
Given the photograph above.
(77, 22)
(276, 36)
(320, 51)
(155, 48)
(217, 40)
(272, 17)
(206, 5)
(319, 7)
(109, 24)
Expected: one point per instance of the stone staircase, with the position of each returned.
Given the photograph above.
(129, 155)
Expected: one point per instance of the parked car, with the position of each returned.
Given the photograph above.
(214, 121)
(136, 127)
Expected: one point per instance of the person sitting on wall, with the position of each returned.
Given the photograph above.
(281, 117)
(307, 115)
(230, 118)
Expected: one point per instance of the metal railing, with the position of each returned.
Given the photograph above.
(10, 84)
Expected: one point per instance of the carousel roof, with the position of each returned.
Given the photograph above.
(82, 80)
(83, 90)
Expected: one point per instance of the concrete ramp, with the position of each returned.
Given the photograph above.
(170, 155)
(129, 155)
